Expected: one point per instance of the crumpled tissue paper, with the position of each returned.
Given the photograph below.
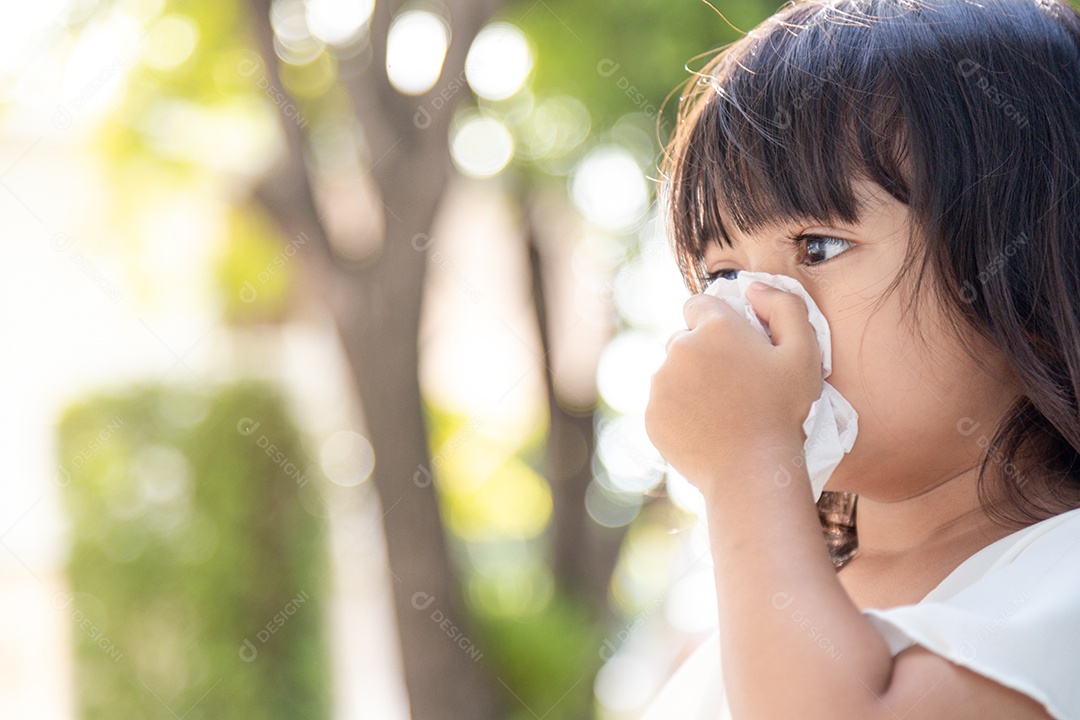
(832, 423)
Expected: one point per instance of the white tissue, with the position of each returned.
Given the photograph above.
(832, 423)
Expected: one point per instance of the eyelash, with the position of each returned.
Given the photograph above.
(797, 240)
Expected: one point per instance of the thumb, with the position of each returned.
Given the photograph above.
(786, 315)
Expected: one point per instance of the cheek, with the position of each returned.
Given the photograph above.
(878, 368)
(915, 414)
(882, 380)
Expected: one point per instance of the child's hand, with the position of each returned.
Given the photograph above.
(725, 390)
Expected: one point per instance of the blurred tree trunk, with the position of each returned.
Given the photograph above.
(583, 552)
(376, 305)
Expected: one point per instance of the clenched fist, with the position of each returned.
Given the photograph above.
(725, 390)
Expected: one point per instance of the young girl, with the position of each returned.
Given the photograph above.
(915, 165)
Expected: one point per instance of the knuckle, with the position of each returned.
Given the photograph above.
(715, 322)
(648, 420)
(795, 301)
(676, 341)
(652, 422)
(657, 383)
(695, 299)
(700, 303)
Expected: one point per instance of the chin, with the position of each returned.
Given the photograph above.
(840, 481)
(832, 487)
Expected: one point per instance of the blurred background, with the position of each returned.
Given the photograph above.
(327, 333)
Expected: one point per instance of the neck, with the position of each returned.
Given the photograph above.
(901, 526)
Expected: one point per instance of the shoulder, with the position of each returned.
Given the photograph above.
(998, 636)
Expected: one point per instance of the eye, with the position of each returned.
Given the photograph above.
(726, 273)
(818, 249)
(821, 248)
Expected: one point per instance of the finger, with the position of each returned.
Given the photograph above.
(700, 306)
(786, 315)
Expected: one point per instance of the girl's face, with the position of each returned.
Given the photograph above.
(925, 409)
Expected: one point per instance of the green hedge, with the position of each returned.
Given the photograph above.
(198, 579)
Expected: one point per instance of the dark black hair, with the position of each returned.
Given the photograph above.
(968, 113)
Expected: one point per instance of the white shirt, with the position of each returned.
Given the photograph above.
(1010, 612)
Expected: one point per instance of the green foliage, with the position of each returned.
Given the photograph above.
(198, 579)
(489, 481)
(207, 79)
(538, 640)
(255, 269)
(620, 57)
(548, 660)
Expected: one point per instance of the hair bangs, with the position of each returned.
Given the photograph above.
(777, 128)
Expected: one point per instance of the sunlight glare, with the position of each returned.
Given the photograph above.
(481, 146)
(338, 22)
(499, 61)
(415, 50)
(21, 26)
(97, 68)
(347, 458)
(609, 188)
(170, 41)
(691, 605)
(631, 462)
(624, 683)
(626, 364)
